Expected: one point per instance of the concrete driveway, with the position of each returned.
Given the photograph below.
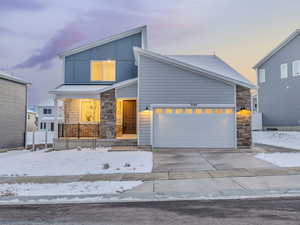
(183, 160)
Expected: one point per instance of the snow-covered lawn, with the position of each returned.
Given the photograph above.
(281, 159)
(39, 137)
(286, 139)
(75, 188)
(73, 162)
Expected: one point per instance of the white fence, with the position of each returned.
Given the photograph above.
(256, 121)
(39, 137)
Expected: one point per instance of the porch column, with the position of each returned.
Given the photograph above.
(108, 115)
(55, 118)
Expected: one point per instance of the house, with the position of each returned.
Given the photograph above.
(116, 90)
(32, 120)
(46, 112)
(278, 78)
(13, 108)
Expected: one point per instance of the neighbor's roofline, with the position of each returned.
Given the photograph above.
(275, 50)
(9, 77)
(184, 65)
(142, 29)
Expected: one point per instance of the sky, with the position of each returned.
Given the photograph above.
(241, 32)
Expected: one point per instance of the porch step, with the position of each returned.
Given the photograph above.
(125, 142)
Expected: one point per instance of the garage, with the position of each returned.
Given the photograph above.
(197, 127)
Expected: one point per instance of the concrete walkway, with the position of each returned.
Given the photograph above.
(239, 172)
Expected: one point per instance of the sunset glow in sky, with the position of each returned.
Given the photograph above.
(241, 32)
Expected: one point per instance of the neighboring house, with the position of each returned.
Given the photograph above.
(13, 108)
(32, 120)
(117, 90)
(46, 112)
(278, 78)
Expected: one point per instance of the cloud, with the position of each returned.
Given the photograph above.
(98, 24)
(4, 31)
(6, 5)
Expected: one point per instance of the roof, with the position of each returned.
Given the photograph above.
(275, 50)
(90, 89)
(9, 77)
(142, 29)
(208, 64)
(48, 102)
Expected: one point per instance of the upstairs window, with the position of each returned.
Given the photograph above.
(103, 70)
(284, 71)
(296, 68)
(262, 76)
(47, 111)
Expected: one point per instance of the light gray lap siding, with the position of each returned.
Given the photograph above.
(127, 92)
(12, 114)
(161, 83)
(278, 98)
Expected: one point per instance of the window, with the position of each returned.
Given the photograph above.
(103, 70)
(47, 111)
(296, 68)
(262, 76)
(89, 110)
(41, 126)
(198, 111)
(178, 111)
(52, 126)
(218, 111)
(208, 111)
(169, 111)
(228, 111)
(158, 111)
(189, 111)
(283, 70)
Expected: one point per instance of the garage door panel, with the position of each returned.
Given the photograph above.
(194, 130)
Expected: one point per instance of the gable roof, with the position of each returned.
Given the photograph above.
(9, 77)
(275, 50)
(208, 64)
(142, 29)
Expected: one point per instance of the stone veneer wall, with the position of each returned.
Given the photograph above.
(243, 99)
(108, 115)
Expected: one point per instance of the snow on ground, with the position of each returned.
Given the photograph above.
(75, 188)
(39, 137)
(286, 139)
(73, 162)
(281, 159)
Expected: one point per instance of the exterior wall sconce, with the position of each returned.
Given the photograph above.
(244, 112)
(147, 108)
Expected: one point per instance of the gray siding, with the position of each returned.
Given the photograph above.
(160, 83)
(12, 114)
(127, 92)
(77, 66)
(278, 98)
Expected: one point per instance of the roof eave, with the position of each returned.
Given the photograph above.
(142, 29)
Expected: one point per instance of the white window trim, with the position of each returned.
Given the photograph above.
(296, 63)
(91, 61)
(262, 75)
(284, 71)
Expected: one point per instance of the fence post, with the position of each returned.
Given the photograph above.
(46, 137)
(33, 141)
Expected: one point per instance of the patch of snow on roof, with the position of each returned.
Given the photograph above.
(213, 64)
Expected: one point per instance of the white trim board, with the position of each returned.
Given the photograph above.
(192, 106)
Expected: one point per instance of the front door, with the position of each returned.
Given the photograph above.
(129, 117)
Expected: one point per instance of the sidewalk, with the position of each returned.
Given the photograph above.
(188, 189)
(241, 172)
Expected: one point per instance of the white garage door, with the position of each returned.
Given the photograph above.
(194, 127)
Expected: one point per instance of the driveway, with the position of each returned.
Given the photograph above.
(184, 160)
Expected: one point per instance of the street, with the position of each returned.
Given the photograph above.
(239, 212)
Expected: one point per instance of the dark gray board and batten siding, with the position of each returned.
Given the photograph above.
(12, 114)
(160, 83)
(77, 66)
(279, 98)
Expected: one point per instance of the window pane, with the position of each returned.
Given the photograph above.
(169, 111)
(103, 70)
(178, 111)
(198, 111)
(262, 76)
(208, 111)
(228, 111)
(189, 111)
(218, 111)
(283, 71)
(158, 111)
(89, 111)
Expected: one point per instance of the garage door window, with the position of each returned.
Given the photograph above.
(208, 111)
(228, 111)
(218, 111)
(198, 111)
(179, 111)
(158, 111)
(189, 111)
(169, 111)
